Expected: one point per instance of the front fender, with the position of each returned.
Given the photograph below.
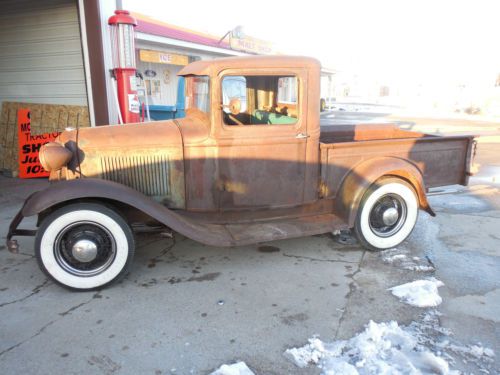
(360, 178)
(86, 188)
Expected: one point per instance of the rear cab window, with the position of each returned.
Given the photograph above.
(197, 93)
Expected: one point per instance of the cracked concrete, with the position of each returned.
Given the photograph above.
(317, 259)
(167, 313)
(35, 290)
(45, 326)
(352, 289)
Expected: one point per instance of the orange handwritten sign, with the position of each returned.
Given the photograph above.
(29, 146)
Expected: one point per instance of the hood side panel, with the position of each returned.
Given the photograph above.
(146, 157)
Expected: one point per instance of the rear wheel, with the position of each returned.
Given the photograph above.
(387, 216)
(84, 246)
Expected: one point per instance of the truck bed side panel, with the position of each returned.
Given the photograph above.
(442, 160)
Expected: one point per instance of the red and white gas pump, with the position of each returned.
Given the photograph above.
(123, 45)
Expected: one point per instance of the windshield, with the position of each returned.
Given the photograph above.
(197, 93)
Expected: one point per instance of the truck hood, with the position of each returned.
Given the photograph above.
(147, 157)
(161, 133)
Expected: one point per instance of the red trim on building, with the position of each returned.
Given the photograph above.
(168, 31)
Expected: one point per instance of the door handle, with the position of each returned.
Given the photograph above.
(301, 136)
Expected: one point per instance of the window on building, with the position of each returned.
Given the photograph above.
(262, 100)
(153, 89)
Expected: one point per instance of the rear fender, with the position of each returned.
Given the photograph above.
(89, 188)
(367, 173)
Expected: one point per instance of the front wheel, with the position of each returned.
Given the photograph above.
(84, 246)
(388, 213)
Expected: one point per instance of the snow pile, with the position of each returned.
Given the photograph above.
(473, 350)
(436, 338)
(422, 347)
(382, 348)
(420, 293)
(358, 107)
(239, 368)
(402, 258)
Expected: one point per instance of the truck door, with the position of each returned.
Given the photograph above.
(261, 149)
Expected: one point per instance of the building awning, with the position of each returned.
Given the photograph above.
(148, 25)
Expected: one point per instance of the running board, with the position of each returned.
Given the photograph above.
(271, 230)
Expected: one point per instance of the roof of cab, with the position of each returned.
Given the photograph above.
(214, 67)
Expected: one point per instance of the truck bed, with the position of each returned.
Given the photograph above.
(443, 160)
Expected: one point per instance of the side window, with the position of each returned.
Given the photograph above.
(259, 100)
(234, 87)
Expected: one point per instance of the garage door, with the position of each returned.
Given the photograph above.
(41, 55)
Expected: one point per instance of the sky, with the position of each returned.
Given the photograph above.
(411, 40)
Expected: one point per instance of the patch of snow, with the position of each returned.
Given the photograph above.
(310, 353)
(239, 368)
(420, 268)
(382, 348)
(475, 351)
(358, 107)
(403, 259)
(390, 255)
(392, 258)
(438, 339)
(420, 293)
(422, 347)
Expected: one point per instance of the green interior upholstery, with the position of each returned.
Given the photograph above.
(264, 117)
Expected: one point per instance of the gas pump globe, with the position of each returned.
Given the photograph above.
(123, 46)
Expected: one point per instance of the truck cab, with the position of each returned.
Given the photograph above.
(261, 125)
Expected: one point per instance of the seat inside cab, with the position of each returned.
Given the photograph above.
(264, 100)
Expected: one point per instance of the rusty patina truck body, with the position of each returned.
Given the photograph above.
(249, 163)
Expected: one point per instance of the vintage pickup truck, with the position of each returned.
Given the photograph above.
(249, 163)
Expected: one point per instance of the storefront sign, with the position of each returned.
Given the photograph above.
(162, 57)
(249, 44)
(29, 146)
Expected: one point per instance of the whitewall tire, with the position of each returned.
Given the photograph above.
(387, 215)
(84, 246)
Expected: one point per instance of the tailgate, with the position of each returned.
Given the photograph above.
(445, 160)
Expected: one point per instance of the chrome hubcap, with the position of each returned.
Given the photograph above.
(388, 215)
(84, 251)
(85, 248)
